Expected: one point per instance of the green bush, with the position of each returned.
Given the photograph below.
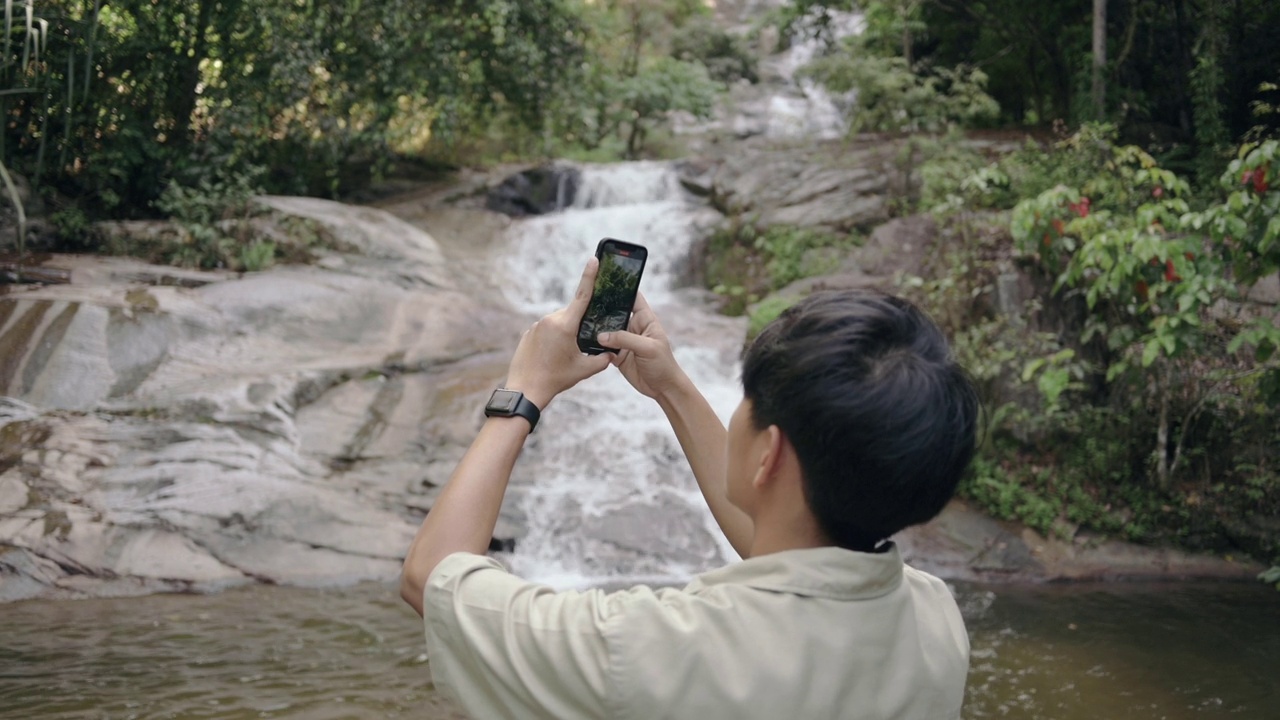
(766, 312)
(727, 57)
(745, 263)
(1151, 411)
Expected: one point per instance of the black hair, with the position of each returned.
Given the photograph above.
(882, 419)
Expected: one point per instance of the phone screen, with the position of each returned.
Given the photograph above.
(617, 282)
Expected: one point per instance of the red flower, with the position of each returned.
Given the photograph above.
(1258, 177)
(1190, 256)
(1158, 192)
(1047, 242)
(1081, 208)
(1140, 289)
(1058, 226)
(1170, 275)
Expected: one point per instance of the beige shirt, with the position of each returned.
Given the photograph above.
(819, 633)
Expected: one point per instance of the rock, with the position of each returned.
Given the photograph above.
(832, 185)
(536, 191)
(963, 544)
(900, 246)
(1266, 291)
(181, 430)
(697, 176)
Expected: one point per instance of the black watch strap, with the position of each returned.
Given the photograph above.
(508, 403)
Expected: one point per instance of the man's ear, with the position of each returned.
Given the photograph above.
(774, 444)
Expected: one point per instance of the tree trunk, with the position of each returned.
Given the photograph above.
(1099, 58)
(184, 103)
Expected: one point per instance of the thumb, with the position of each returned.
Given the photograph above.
(624, 340)
(597, 363)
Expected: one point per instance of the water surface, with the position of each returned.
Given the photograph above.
(1097, 652)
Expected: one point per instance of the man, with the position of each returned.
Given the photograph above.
(855, 423)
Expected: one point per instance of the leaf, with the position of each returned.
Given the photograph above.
(1030, 370)
(1149, 354)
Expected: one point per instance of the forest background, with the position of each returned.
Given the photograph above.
(1137, 394)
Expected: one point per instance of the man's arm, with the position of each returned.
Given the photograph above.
(464, 515)
(546, 363)
(648, 363)
(703, 438)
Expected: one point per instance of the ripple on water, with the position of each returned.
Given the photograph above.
(1113, 652)
(256, 652)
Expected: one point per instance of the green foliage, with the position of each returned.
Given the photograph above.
(726, 56)
(893, 97)
(766, 312)
(746, 263)
(1179, 450)
(1150, 268)
(661, 87)
(133, 95)
(1271, 576)
(954, 176)
(638, 76)
(213, 220)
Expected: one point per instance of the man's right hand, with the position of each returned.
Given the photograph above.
(646, 360)
(645, 357)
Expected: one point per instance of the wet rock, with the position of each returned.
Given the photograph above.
(536, 191)
(834, 185)
(285, 426)
(697, 176)
(964, 544)
(901, 245)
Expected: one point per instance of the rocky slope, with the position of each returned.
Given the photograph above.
(169, 429)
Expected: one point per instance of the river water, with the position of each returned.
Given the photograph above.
(1141, 652)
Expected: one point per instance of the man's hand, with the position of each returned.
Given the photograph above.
(645, 357)
(548, 361)
(646, 360)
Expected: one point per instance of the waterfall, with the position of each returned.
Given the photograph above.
(610, 498)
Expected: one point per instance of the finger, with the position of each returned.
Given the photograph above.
(641, 303)
(624, 340)
(578, 305)
(619, 357)
(641, 314)
(596, 363)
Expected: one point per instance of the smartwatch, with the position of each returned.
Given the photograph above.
(507, 403)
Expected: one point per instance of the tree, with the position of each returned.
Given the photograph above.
(1100, 59)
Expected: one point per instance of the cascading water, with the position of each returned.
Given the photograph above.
(808, 110)
(785, 104)
(611, 498)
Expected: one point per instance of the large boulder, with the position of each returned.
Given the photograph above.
(166, 429)
(535, 191)
(837, 185)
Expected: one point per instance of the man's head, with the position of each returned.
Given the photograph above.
(881, 419)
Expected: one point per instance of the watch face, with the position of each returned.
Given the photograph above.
(504, 401)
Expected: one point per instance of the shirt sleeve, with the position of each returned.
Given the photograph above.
(509, 648)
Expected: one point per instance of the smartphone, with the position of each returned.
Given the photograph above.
(617, 282)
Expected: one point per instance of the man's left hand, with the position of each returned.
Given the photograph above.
(548, 361)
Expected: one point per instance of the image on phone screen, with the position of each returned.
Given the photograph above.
(617, 282)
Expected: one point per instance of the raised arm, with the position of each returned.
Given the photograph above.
(646, 360)
(546, 363)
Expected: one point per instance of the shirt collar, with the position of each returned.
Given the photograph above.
(829, 572)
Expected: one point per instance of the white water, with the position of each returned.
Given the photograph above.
(612, 498)
(805, 108)
(785, 105)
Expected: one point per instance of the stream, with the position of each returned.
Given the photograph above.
(1096, 652)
